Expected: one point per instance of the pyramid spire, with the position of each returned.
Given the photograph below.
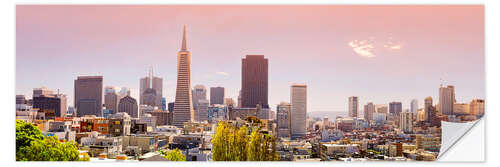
(184, 42)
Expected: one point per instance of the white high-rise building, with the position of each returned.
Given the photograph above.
(414, 106)
(353, 106)
(199, 93)
(446, 99)
(298, 98)
(183, 108)
(406, 122)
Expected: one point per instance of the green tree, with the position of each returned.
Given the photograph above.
(49, 149)
(230, 143)
(25, 134)
(175, 155)
(241, 144)
(219, 143)
(31, 145)
(255, 147)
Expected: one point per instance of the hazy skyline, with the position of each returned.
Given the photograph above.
(378, 53)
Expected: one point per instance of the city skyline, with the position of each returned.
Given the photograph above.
(219, 63)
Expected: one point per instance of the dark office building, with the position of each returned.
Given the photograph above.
(50, 105)
(88, 95)
(254, 81)
(217, 95)
(170, 113)
(395, 108)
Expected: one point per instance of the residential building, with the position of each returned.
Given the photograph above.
(406, 122)
(119, 124)
(283, 119)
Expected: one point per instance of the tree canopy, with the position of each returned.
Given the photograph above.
(31, 145)
(26, 133)
(174, 155)
(231, 143)
(49, 149)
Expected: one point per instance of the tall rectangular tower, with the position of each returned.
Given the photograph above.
(353, 106)
(414, 106)
(88, 95)
(183, 108)
(446, 99)
(254, 81)
(369, 109)
(298, 99)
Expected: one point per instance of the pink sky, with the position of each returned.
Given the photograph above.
(406, 49)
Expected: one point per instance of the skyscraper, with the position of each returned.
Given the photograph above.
(446, 99)
(217, 95)
(88, 95)
(369, 109)
(111, 99)
(283, 119)
(254, 81)
(199, 93)
(406, 121)
(163, 104)
(477, 107)
(414, 106)
(395, 108)
(298, 99)
(429, 109)
(201, 113)
(150, 98)
(183, 108)
(129, 105)
(353, 106)
(152, 87)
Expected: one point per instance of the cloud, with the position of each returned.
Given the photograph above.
(363, 48)
(392, 45)
(222, 73)
(368, 48)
